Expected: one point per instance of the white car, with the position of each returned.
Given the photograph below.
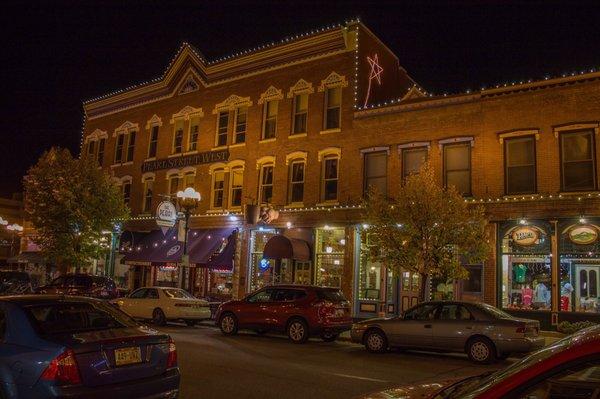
(161, 304)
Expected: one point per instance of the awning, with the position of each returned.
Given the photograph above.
(223, 261)
(281, 247)
(203, 243)
(27, 257)
(131, 239)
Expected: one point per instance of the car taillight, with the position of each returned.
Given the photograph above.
(172, 357)
(63, 369)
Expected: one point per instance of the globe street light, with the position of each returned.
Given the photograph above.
(188, 200)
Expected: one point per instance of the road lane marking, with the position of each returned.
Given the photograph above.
(357, 377)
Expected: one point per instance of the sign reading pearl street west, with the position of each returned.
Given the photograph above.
(188, 160)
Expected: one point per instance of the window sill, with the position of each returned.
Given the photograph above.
(179, 154)
(219, 148)
(237, 145)
(121, 164)
(234, 209)
(328, 131)
(297, 135)
(127, 163)
(150, 159)
(328, 203)
(578, 193)
(268, 140)
(191, 152)
(295, 205)
(219, 211)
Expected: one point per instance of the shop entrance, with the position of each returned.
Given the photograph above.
(302, 272)
(588, 280)
(409, 290)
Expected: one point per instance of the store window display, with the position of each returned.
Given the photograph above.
(261, 270)
(370, 272)
(167, 276)
(329, 256)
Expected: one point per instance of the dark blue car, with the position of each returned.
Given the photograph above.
(73, 347)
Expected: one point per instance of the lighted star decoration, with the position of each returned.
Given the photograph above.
(376, 71)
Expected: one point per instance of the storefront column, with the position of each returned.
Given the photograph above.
(348, 270)
(240, 264)
(555, 264)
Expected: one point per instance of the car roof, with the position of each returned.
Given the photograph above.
(39, 299)
(301, 286)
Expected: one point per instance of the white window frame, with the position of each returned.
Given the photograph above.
(261, 186)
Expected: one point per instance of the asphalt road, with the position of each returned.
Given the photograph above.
(252, 366)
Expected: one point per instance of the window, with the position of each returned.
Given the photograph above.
(152, 147)
(376, 172)
(126, 192)
(330, 179)
(194, 132)
(241, 115)
(222, 128)
(131, 146)
(174, 182)
(422, 312)
(119, 148)
(333, 103)
(454, 312)
(237, 181)
(148, 191)
(139, 293)
(329, 256)
(188, 180)
(578, 161)
(519, 159)
(265, 193)
(412, 160)
(270, 119)
(296, 188)
(300, 113)
(370, 271)
(457, 167)
(262, 296)
(218, 188)
(101, 146)
(474, 282)
(91, 149)
(178, 137)
(286, 295)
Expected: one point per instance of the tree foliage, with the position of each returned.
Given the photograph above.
(426, 229)
(69, 202)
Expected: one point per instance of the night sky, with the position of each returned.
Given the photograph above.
(55, 57)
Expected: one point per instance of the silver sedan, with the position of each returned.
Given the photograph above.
(484, 332)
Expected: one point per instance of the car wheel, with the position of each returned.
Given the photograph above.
(228, 324)
(481, 350)
(158, 317)
(329, 336)
(297, 331)
(190, 323)
(376, 341)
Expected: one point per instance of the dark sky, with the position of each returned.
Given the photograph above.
(54, 57)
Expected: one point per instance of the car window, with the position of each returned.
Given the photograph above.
(286, 295)
(574, 381)
(494, 312)
(454, 312)
(177, 293)
(335, 296)
(76, 317)
(261, 296)
(137, 294)
(422, 312)
(151, 293)
(58, 282)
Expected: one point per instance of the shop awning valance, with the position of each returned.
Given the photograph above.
(131, 239)
(281, 247)
(223, 261)
(205, 244)
(27, 257)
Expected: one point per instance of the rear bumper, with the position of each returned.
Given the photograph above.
(333, 327)
(190, 314)
(158, 387)
(527, 344)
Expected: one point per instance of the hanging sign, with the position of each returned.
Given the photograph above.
(525, 236)
(166, 214)
(583, 235)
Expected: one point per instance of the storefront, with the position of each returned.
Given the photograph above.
(330, 252)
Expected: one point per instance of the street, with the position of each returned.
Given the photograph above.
(252, 366)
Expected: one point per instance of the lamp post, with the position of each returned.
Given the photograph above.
(188, 200)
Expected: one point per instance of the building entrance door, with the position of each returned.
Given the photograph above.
(409, 290)
(392, 291)
(302, 272)
(588, 281)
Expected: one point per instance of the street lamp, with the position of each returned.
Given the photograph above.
(188, 200)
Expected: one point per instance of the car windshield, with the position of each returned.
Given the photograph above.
(178, 294)
(489, 309)
(76, 317)
(474, 385)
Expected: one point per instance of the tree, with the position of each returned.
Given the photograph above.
(70, 202)
(426, 229)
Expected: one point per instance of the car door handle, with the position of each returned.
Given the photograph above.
(427, 326)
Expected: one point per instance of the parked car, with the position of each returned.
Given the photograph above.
(298, 310)
(14, 283)
(162, 304)
(484, 332)
(81, 284)
(77, 347)
(567, 369)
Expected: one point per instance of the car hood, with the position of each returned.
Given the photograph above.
(421, 391)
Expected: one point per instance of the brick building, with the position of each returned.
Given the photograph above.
(301, 127)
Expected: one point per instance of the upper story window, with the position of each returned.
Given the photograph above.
(189, 179)
(96, 142)
(236, 185)
(222, 128)
(375, 171)
(125, 143)
(127, 192)
(520, 169)
(194, 134)
(119, 148)
(330, 159)
(457, 166)
(175, 184)
(100, 153)
(413, 159)
(270, 119)
(153, 144)
(578, 161)
(265, 188)
(218, 189)
(300, 119)
(131, 146)
(178, 137)
(148, 194)
(241, 116)
(296, 181)
(333, 105)
(92, 149)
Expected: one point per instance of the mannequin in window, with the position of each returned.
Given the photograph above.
(541, 295)
(527, 294)
(565, 295)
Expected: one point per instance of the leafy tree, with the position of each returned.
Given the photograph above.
(69, 202)
(425, 228)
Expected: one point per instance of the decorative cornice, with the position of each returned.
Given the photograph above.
(126, 127)
(186, 113)
(231, 103)
(518, 133)
(301, 87)
(292, 156)
(267, 159)
(154, 121)
(271, 94)
(337, 151)
(96, 135)
(333, 80)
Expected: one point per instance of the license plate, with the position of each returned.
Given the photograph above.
(130, 355)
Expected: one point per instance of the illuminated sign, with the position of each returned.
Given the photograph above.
(583, 235)
(526, 236)
(264, 264)
(166, 214)
(183, 161)
(375, 73)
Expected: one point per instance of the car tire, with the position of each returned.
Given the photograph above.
(376, 341)
(228, 324)
(481, 350)
(329, 336)
(158, 317)
(190, 323)
(297, 331)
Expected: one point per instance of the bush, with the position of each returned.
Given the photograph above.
(569, 328)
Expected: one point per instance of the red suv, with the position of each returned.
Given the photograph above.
(298, 310)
